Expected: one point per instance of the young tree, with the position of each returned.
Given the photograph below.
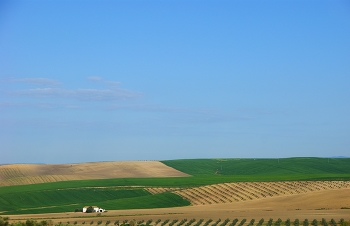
(333, 222)
(261, 221)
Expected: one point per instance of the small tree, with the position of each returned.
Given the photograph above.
(30, 222)
(90, 209)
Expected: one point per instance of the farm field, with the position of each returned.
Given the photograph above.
(20, 174)
(210, 188)
(316, 205)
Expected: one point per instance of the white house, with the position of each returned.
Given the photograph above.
(96, 209)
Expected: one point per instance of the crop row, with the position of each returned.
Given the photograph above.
(194, 222)
(242, 191)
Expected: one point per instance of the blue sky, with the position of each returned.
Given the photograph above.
(151, 80)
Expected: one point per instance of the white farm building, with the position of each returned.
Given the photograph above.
(96, 209)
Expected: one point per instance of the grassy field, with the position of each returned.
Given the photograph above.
(132, 199)
(115, 193)
(263, 167)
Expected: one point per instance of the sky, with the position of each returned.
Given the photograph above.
(86, 81)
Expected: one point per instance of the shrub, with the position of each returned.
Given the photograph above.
(251, 222)
(269, 223)
(242, 222)
(345, 223)
(132, 223)
(90, 209)
(4, 221)
(261, 221)
(208, 222)
(173, 222)
(278, 222)
(165, 222)
(234, 222)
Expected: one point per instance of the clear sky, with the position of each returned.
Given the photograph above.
(170, 79)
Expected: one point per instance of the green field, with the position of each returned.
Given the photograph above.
(262, 167)
(68, 195)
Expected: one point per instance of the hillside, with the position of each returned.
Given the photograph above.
(20, 174)
(152, 184)
(263, 167)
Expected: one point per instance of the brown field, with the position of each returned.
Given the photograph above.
(18, 174)
(307, 200)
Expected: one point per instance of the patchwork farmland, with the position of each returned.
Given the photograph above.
(303, 188)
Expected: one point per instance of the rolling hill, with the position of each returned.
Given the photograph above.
(171, 183)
